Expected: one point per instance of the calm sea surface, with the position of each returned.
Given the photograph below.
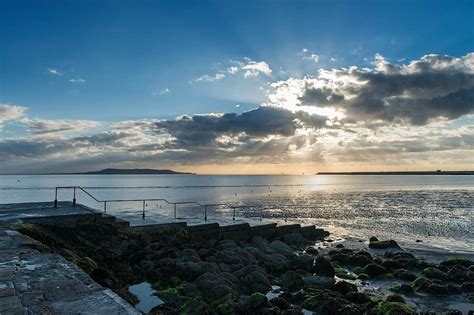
(439, 210)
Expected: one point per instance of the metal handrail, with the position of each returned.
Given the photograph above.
(174, 203)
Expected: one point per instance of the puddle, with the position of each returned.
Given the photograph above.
(274, 292)
(144, 293)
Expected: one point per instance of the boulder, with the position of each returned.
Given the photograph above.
(383, 244)
(434, 273)
(218, 287)
(275, 263)
(294, 239)
(467, 287)
(291, 281)
(317, 282)
(189, 271)
(404, 274)
(359, 260)
(374, 270)
(322, 267)
(302, 262)
(252, 279)
(344, 287)
(310, 250)
(358, 297)
(281, 248)
(458, 261)
(260, 243)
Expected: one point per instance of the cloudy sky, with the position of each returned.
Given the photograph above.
(236, 87)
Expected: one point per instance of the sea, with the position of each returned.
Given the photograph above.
(434, 210)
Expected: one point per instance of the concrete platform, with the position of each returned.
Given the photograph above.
(16, 212)
(33, 282)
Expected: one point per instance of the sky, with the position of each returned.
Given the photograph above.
(236, 86)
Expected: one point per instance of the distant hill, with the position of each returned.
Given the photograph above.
(438, 172)
(135, 171)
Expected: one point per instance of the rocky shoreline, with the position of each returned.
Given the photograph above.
(289, 274)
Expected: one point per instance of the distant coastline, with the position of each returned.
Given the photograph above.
(115, 171)
(438, 172)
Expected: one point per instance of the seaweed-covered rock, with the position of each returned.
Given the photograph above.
(310, 250)
(467, 287)
(340, 258)
(358, 297)
(294, 239)
(322, 267)
(280, 303)
(317, 282)
(219, 287)
(255, 303)
(457, 261)
(344, 287)
(194, 306)
(260, 243)
(393, 308)
(281, 248)
(404, 274)
(189, 271)
(395, 298)
(421, 284)
(252, 279)
(302, 262)
(434, 273)
(374, 270)
(329, 302)
(275, 263)
(376, 244)
(360, 260)
(459, 273)
(291, 281)
(402, 288)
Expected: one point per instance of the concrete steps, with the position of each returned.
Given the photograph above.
(111, 220)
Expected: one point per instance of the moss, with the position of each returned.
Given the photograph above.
(358, 270)
(193, 307)
(224, 309)
(395, 288)
(421, 284)
(169, 294)
(457, 261)
(388, 276)
(389, 308)
(363, 276)
(257, 300)
(383, 244)
(312, 303)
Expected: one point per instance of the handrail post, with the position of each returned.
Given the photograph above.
(143, 212)
(74, 198)
(205, 213)
(233, 214)
(105, 206)
(175, 210)
(56, 198)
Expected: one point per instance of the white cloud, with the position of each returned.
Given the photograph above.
(77, 81)
(10, 112)
(232, 70)
(53, 71)
(208, 78)
(306, 54)
(162, 92)
(253, 69)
